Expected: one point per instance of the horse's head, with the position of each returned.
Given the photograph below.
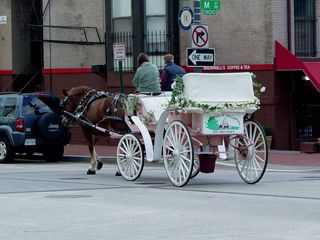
(71, 101)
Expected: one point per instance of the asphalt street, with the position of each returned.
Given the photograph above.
(57, 201)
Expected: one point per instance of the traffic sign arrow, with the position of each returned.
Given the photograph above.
(200, 57)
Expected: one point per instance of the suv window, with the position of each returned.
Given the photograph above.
(33, 105)
(9, 109)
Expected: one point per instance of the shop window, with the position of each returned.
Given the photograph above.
(305, 28)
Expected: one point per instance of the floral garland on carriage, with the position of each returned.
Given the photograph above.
(178, 100)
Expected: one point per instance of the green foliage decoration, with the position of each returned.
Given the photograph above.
(179, 102)
(131, 104)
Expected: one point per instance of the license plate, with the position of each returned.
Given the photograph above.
(30, 142)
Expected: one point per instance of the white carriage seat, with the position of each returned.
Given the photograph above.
(218, 87)
(155, 104)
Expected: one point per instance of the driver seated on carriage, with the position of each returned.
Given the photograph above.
(146, 79)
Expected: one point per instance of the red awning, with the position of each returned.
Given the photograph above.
(285, 60)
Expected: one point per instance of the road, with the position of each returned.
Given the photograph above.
(59, 201)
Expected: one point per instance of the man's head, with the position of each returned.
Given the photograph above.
(168, 58)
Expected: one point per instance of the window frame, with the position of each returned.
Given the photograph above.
(305, 28)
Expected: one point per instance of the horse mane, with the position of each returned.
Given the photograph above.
(79, 90)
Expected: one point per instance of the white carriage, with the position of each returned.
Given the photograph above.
(205, 118)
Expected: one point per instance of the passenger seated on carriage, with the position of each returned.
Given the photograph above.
(170, 72)
(146, 79)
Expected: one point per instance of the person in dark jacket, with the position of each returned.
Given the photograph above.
(170, 72)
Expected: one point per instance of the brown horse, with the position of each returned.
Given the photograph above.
(98, 113)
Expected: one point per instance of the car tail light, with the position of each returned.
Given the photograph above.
(20, 125)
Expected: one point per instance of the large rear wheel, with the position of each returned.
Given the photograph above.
(251, 153)
(178, 153)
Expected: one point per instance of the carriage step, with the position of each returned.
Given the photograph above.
(309, 147)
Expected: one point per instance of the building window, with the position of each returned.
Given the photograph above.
(156, 40)
(121, 15)
(143, 25)
(122, 30)
(305, 28)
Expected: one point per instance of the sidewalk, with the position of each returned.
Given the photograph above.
(288, 158)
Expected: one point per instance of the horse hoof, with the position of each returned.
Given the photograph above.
(99, 165)
(90, 172)
(118, 173)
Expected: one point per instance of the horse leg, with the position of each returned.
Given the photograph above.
(90, 141)
(99, 162)
(93, 161)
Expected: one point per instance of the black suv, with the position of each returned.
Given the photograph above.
(29, 123)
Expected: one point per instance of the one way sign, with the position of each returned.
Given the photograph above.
(200, 57)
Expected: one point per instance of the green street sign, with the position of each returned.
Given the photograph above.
(209, 12)
(210, 7)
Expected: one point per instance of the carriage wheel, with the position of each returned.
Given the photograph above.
(178, 153)
(130, 157)
(196, 163)
(251, 153)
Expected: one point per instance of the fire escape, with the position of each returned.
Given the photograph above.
(29, 16)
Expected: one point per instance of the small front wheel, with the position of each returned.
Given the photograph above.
(178, 153)
(251, 153)
(130, 157)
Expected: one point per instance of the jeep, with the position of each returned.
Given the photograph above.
(30, 123)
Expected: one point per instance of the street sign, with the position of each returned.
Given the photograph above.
(210, 7)
(200, 57)
(3, 19)
(200, 36)
(119, 51)
(185, 18)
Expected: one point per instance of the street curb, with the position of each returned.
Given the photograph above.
(86, 158)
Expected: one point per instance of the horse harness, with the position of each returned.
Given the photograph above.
(92, 96)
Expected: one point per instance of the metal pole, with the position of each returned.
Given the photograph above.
(197, 20)
(121, 77)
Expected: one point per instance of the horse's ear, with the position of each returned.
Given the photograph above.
(65, 93)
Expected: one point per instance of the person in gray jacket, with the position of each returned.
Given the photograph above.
(146, 78)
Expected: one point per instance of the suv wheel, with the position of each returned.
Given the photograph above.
(54, 154)
(6, 150)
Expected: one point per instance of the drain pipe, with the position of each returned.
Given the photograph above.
(289, 24)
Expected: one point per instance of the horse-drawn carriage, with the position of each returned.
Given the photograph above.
(205, 118)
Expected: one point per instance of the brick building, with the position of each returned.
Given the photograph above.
(49, 45)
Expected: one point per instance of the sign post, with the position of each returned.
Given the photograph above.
(119, 54)
(197, 20)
